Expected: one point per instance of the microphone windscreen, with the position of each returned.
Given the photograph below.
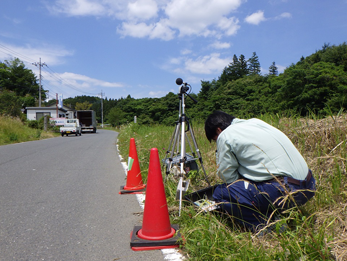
(179, 81)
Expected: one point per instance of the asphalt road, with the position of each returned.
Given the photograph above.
(59, 201)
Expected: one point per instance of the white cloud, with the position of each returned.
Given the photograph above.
(83, 81)
(142, 30)
(229, 25)
(175, 61)
(139, 30)
(142, 9)
(220, 45)
(78, 7)
(160, 19)
(71, 84)
(185, 51)
(157, 94)
(185, 66)
(207, 64)
(162, 31)
(255, 18)
(284, 15)
(196, 16)
(280, 68)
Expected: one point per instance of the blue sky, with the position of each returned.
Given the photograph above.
(140, 47)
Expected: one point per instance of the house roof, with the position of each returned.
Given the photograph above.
(46, 109)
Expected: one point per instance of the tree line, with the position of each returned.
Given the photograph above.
(315, 84)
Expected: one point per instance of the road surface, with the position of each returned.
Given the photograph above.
(59, 201)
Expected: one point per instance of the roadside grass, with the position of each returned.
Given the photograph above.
(316, 231)
(12, 130)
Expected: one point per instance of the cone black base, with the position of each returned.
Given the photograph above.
(135, 191)
(138, 244)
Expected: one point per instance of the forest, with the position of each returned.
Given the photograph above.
(315, 84)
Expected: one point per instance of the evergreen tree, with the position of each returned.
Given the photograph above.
(230, 73)
(242, 68)
(235, 61)
(225, 76)
(254, 64)
(273, 69)
(325, 46)
(205, 90)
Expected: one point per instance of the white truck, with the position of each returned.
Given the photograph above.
(71, 126)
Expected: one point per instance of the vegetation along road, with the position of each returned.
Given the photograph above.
(59, 201)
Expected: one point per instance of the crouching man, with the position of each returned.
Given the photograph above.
(262, 170)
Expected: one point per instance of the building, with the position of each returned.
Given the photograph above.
(36, 113)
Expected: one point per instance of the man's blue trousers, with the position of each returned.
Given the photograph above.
(253, 203)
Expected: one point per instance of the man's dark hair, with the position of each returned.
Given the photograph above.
(217, 119)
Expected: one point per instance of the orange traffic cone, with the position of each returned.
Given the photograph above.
(156, 231)
(134, 184)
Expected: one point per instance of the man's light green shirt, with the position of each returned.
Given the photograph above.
(257, 151)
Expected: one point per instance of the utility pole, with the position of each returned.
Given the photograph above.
(56, 104)
(40, 87)
(102, 110)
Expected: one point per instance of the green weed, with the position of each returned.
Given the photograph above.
(13, 130)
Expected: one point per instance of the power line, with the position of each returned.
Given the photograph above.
(63, 81)
(53, 74)
(13, 53)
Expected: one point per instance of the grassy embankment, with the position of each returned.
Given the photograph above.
(317, 231)
(12, 130)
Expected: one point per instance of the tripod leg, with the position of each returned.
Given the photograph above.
(190, 146)
(180, 195)
(168, 161)
(198, 154)
(182, 188)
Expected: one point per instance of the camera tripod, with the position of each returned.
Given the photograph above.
(180, 137)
